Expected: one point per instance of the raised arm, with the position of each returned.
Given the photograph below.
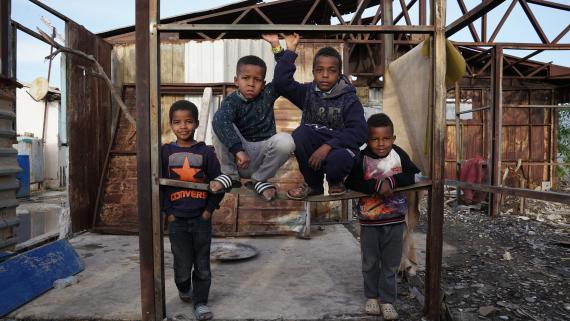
(285, 83)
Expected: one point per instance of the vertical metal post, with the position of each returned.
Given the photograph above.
(388, 20)
(5, 30)
(458, 140)
(496, 126)
(423, 12)
(147, 102)
(432, 307)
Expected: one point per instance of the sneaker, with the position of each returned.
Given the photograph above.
(202, 312)
(388, 311)
(372, 307)
(185, 297)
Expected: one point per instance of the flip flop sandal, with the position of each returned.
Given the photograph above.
(227, 184)
(260, 187)
(202, 312)
(389, 312)
(304, 192)
(372, 307)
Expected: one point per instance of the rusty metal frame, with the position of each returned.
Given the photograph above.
(148, 64)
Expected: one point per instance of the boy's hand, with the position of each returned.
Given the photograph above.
(272, 38)
(292, 41)
(319, 156)
(206, 215)
(386, 188)
(242, 160)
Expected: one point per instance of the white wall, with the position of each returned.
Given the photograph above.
(29, 119)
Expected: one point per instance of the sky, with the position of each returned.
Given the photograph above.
(103, 15)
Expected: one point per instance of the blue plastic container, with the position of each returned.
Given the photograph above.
(24, 176)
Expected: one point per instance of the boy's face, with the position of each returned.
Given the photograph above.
(183, 125)
(250, 81)
(380, 140)
(326, 72)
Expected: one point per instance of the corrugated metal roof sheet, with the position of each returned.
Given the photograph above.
(215, 61)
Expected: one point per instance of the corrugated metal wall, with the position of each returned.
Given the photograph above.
(8, 164)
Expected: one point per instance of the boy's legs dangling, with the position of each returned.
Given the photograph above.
(307, 140)
(337, 164)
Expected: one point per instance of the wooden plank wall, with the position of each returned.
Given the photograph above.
(88, 121)
(528, 134)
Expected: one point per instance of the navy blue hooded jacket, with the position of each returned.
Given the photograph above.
(338, 111)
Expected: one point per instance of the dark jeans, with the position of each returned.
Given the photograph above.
(381, 253)
(337, 164)
(190, 241)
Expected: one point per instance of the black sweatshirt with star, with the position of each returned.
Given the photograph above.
(198, 164)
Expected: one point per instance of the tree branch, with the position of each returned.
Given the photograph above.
(60, 48)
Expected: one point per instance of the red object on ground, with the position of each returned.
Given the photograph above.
(473, 171)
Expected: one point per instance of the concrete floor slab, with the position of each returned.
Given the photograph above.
(290, 279)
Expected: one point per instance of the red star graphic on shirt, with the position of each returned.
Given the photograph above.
(187, 173)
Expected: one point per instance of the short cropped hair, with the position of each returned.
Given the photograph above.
(328, 52)
(251, 60)
(183, 105)
(380, 120)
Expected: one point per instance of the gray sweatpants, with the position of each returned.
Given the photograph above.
(266, 157)
(381, 253)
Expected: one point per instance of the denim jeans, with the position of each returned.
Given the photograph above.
(381, 253)
(190, 240)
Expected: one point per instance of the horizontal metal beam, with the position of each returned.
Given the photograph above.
(258, 29)
(246, 191)
(472, 110)
(515, 45)
(538, 106)
(50, 10)
(29, 31)
(550, 4)
(472, 15)
(539, 195)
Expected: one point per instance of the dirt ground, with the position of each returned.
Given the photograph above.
(513, 267)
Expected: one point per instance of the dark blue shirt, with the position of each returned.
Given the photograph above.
(198, 164)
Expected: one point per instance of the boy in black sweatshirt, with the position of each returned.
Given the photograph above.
(333, 126)
(189, 211)
(379, 169)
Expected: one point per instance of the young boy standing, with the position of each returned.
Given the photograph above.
(245, 136)
(189, 211)
(332, 125)
(379, 169)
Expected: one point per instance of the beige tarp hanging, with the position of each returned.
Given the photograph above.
(406, 97)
